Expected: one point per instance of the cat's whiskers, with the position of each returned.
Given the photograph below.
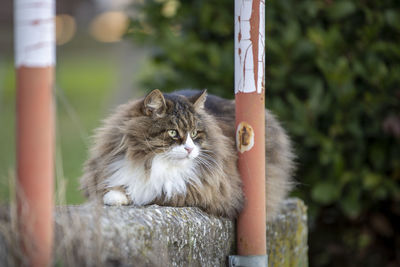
(210, 156)
(204, 163)
(167, 156)
(209, 163)
(208, 153)
(210, 171)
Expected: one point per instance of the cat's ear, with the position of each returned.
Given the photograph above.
(154, 104)
(199, 99)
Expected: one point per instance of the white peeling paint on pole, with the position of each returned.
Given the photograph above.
(34, 33)
(249, 46)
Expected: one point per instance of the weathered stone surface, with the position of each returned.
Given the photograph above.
(90, 235)
(287, 236)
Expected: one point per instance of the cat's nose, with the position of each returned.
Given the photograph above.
(188, 149)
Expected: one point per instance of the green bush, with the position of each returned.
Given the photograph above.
(333, 77)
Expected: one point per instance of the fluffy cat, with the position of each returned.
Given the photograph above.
(178, 150)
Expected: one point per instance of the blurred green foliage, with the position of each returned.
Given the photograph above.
(83, 83)
(333, 76)
(83, 87)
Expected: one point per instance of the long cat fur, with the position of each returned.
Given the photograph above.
(127, 155)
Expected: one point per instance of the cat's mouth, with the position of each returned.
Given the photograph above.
(181, 153)
(182, 159)
(185, 157)
(176, 158)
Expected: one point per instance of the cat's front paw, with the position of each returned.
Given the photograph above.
(115, 198)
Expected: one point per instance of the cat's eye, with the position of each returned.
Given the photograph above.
(173, 133)
(194, 134)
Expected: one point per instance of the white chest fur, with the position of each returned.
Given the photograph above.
(165, 177)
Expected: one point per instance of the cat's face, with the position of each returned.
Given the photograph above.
(186, 148)
(174, 128)
(178, 135)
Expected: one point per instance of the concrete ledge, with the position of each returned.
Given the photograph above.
(89, 235)
(287, 236)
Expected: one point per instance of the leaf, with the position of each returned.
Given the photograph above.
(341, 9)
(351, 203)
(325, 192)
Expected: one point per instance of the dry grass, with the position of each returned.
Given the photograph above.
(10, 238)
(77, 242)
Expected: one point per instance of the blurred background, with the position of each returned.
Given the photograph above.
(333, 79)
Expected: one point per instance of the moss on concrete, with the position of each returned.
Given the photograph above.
(287, 236)
(90, 235)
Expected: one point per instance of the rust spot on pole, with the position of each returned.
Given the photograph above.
(244, 137)
(254, 36)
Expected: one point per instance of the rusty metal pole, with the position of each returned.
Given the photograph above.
(34, 61)
(250, 133)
